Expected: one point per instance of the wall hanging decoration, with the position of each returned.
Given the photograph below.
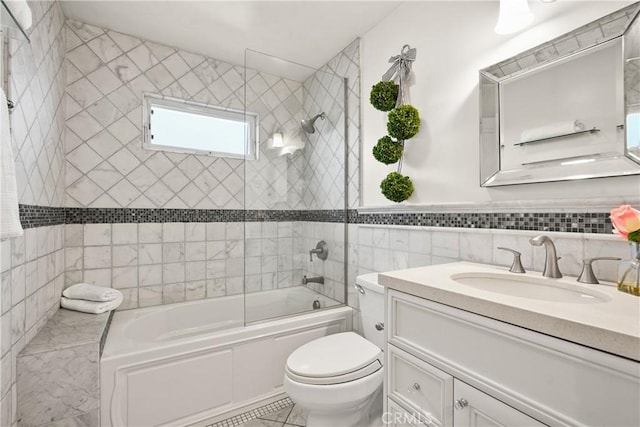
(384, 95)
(403, 123)
(387, 150)
(396, 187)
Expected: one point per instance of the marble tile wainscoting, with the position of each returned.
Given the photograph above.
(32, 280)
(164, 263)
(378, 248)
(384, 248)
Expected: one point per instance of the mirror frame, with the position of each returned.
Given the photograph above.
(617, 25)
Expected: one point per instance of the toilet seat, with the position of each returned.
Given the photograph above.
(337, 379)
(334, 359)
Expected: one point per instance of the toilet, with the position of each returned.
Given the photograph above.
(338, 378)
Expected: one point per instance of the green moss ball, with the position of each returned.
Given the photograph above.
(384, 95)
(387, 150)
(396, 187)
(404, 122)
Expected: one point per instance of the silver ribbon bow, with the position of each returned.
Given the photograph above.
(401, 67)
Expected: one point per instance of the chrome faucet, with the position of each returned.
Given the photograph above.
(318, 279)
(587, 275)
(551, 268)
(321, 250)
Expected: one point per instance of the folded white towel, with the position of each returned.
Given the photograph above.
(551, 130)
(89, 292)
(21, 11)
(9, 214)
(93, 307)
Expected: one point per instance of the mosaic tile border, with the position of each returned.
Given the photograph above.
(157, 215)
(41, 216)
(571, 222)
(254, 413)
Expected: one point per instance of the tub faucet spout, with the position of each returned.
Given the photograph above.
(551, 268)
(306, 280)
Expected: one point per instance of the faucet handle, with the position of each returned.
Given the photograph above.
(321, 250)
(516, 266)
(587, 275)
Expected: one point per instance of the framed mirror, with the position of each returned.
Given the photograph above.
(567, 109)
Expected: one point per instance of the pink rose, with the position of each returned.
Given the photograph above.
(625, 220)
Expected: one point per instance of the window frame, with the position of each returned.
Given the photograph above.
(252, 144)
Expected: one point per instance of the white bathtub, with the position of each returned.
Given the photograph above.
(184, 363)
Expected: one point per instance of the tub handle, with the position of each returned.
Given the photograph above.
(360, 289)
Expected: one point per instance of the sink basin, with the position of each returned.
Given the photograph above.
(530, 287)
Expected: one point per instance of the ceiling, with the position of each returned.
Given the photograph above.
(305, 32)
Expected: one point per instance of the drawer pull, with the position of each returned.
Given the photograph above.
(379, 326)
(415, 387)
(461, 404)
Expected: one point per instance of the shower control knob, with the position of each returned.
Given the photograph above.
(321, 250)
(380, 326)
(461, 404)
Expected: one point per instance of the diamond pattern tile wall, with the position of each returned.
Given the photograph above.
(325, 155)
(32, 266)
(37, 89)
(324, 162)
(107, 73)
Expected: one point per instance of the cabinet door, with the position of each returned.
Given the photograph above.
(419, 386)
(396, 416)
(474, 408)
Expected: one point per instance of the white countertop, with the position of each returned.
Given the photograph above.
(612, 326)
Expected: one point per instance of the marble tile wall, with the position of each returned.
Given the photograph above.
(58, 372)
(335, 90)
(31, 266)
(273, 255)
(32, 280)
(383, 248)
(58, 387)
(37, 121)
(164, 263)
(332, 269)
(107, 73)
(376, 248)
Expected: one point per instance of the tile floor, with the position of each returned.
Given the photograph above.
(281, 413)
(292, 415)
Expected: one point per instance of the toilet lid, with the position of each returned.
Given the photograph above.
(333, 355)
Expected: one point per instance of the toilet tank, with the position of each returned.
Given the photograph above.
(371, 307)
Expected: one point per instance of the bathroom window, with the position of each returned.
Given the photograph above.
(183, 126)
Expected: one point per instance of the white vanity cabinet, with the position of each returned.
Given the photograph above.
(449, 367)
(431, 395)
(474, 408)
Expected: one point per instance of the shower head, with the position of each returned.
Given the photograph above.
(308, 124)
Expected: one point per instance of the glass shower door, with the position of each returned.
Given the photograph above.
(294, 189)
